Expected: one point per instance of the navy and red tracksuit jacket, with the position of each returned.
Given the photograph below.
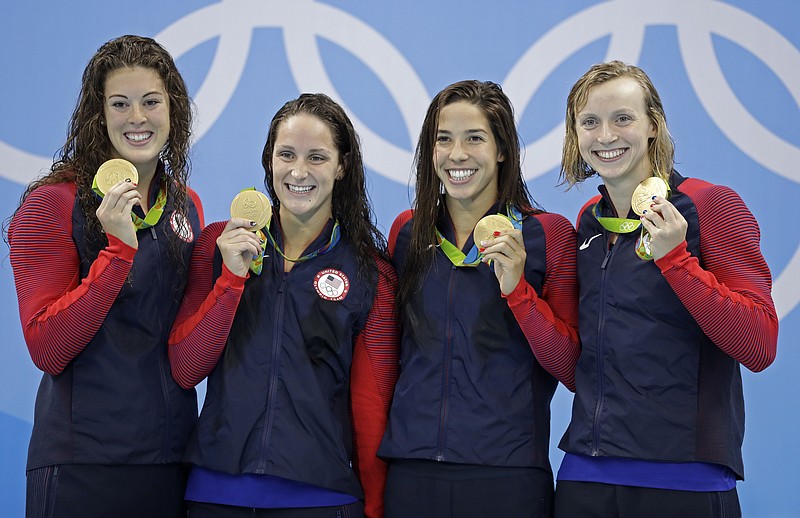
(658, 377)
(283, 357)
(99, 329)
(475, 379)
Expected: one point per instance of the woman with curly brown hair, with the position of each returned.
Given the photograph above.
(97, 302)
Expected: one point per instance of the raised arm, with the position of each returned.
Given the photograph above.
(60, 312)
(729, 295)
(204, 320)
(550, 322)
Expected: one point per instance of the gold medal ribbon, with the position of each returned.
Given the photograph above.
(473, 257)
(641, 198)
(257, 263)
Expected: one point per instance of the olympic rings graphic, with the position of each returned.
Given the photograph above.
(304, 22)
(627, 226)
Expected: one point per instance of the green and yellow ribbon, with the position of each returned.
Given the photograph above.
(473, 257)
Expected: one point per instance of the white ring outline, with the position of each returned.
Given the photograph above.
(625, 20)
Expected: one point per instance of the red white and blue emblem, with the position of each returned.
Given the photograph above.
(331, 284)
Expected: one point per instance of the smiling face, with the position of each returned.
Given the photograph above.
(466, 154)
(305, 166)
(614, 132)
(136, 113)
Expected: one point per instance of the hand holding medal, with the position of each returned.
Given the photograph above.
(242, 242)
(642, 200)
(487, 226)
(663, 227)
(501, 245)
(116, 182)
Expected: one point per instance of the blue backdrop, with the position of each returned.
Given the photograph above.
(728, 73)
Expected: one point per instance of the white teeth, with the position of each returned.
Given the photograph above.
(608, 155)
(138, 137)
(461, 174)
(299, 189)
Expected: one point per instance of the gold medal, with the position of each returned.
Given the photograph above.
(113, 171)
(488, 225)
(644, 192)
(252, 205)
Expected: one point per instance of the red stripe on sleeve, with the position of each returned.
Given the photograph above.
(373, 376)
(59, 312)
(729, 295)
(398, 224)
(204, 319)
(550, 322)
(198, 206)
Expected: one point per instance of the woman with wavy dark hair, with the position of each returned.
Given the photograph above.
(110, 424)
(294, 325)
(488, 326)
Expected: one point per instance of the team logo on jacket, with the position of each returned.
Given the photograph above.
(181, 226)
(331, 284)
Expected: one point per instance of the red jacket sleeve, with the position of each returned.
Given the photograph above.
(729, 295)
(550, 322)
(60, 312)
(204, 319)
(198, 205)
(373, 376)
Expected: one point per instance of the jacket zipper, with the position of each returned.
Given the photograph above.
(277, 331)
(161, 359)
(447, 359)
(600, 386)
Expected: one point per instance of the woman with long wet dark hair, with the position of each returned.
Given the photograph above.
(292, 319)
(488, 322)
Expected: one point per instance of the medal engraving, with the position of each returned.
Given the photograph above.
(486, 227)
(253, 206)
(644, 192)
(113, 171)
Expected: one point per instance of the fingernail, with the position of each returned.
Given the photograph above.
(484, 243)
(496, 233)
(652, 205)
(252, 223)
(481, 249)
(128, 180)
(644, 211)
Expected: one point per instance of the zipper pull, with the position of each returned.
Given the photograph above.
(605, 260)
(153, 231)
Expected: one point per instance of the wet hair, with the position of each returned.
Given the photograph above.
(350, 200)
(429, 206)
(661, 148)
(88, 145)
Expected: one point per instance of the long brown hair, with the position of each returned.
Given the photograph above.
(88, 145)
(429, 206)
(350, 201)
(661, 148)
